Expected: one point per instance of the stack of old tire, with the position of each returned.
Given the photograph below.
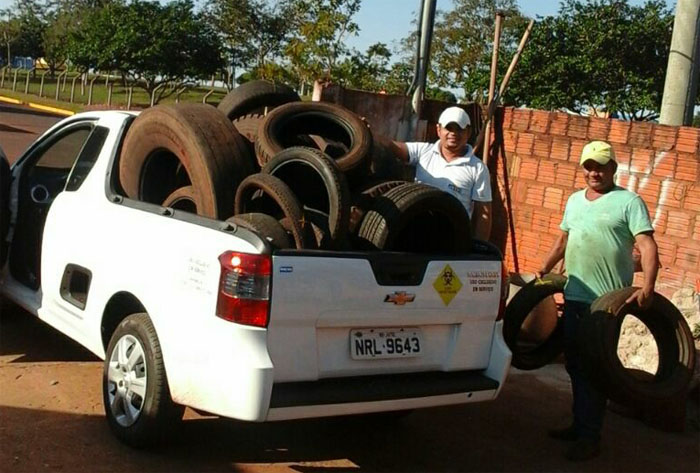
(599, 335)
(306, 175)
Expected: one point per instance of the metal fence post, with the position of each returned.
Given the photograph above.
(72, 87)
(2, 79)
(58, 83)
(130, 91)
(92, 83)
(14, 81)
(41, 86)
(109, 94)
(26, 83)
(153, 94)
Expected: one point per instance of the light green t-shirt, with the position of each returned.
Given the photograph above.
(601, 232)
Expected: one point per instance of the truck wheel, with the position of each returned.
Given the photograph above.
(135, 391)
(183, 198)
(247, 126)
(417, 218)
(318, 184)
(531, 356)
(266, 226)
(282, 127)
(254, 97)
(196, 136)
(4, 205)
(599, 337)
(262, 193)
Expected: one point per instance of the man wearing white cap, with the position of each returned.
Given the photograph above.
(449, 164)
(601, 224)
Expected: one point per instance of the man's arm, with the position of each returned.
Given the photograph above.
(555, 255)
(481, 220)
(398, 149)
(650, 266)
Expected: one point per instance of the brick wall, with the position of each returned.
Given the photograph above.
(661, 163)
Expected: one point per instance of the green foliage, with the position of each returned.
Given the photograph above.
(9, 32)
(696, 120)
(599, 54)
(366, 71)
(30, 17)
(147, 43)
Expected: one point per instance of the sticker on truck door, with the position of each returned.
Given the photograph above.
(447, 284)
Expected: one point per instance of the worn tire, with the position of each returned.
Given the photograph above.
(247, 126)
(138, 420)
(528, 357)
(183, 198)
(266, 226)
(598, 341)
(416, 218)
(263, 193)
(254, 97)
(4, 205)
(282, 127)
(195, 136)
(318, 184)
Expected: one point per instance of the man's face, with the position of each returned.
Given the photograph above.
(599, 178)
(452, 137)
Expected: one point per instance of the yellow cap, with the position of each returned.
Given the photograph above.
(599, 151)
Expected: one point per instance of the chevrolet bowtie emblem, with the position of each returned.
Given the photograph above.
(400, 298)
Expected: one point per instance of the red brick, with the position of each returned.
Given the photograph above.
(623, 156)
(696, 230)
(554, 222)
(525, 143)
(535, 195)
(688, 139)
(507, 117)
(559, 124)
(664, 137)
(649, 189)
(678, 224)
(660, 221)
(523, 218)
(528, 168)
(687, 167)
(513, 161)
(641, 134)
(560, 148)
(664, 164)
(579, 180)
(688, 256)
(521, 119)
(540, 222)
(575, 150)
(619, 131)
(598, 128)
(692, 279)
(546, 171)
(641, 160)
(626, 180)
(543, 145)
(509, 140)
(692, 199)
(539, 121)
(578, 127)
(565, 174)
(553, 198)
(672, 194)
(671, 275)
(667, 249)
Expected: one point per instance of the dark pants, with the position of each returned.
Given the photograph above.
(589, 403)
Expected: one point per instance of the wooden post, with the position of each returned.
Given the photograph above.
(41, 86)
(486, 154)
(14, 81)
(128, 97)
(109, 94)
(72, 87)
(92, 84)
(26, 83)
(58, 83)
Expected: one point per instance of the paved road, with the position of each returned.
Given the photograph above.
(20, 126)
(51, 417)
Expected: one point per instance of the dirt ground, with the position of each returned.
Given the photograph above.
(51, 420)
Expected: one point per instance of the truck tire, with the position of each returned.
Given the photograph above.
(318, 184)
(183, 198)
(282, 127)
(529, 356)
(266, 226)
(263, 193)
(598, 341)
(254, 97)
(135, 391)
(4, 205)
(195, 136)
(247, 126)
(416, 218)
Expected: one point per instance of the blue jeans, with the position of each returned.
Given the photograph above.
(588, 403)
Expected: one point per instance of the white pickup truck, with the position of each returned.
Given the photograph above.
(190, 311)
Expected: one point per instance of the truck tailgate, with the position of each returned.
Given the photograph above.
(337, 315)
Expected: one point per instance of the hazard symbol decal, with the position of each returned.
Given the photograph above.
(447, 284)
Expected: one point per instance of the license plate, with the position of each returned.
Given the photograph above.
(372, 344)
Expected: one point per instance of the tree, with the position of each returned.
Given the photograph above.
(320, 30)
(253, 31)
(600, 55)
(31, 21)
(148, 44)
(366, 71)
(9, 32)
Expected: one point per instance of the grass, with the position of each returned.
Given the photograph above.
(46, 94)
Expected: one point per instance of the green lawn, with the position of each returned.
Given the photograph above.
(46, 95)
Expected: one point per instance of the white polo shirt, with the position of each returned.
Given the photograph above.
(466, 178)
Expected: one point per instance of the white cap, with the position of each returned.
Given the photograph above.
(454, 115)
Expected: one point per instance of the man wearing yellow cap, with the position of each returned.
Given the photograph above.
(601, 224)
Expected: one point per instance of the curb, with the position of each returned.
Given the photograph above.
(45, 108)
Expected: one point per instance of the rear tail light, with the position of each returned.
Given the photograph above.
(244, 288)
(504, 292)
